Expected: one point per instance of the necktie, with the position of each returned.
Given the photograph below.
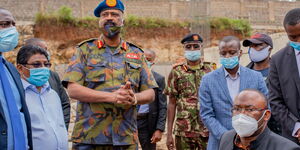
(14, 113)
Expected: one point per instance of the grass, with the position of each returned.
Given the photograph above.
(241, 26)
(64, 17)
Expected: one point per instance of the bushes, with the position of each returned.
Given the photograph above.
(241, 26)
(64, 16)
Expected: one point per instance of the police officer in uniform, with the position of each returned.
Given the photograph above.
(183, 83)
(108, 76)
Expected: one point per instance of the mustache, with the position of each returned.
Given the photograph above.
(110, 23)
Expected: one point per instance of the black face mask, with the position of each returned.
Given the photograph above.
(111, 28)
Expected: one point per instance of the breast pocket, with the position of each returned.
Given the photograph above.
(185, 86)
(132, 73)
(96, 72)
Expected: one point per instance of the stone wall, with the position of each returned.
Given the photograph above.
(258, 12)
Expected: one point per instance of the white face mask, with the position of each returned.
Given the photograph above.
(257, 56)
(244, 125)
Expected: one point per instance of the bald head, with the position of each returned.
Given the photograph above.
(230, 41)
(251, 97)
(36, 42)
(150, 55)
(6, 15)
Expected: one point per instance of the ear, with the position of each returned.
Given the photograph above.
(19, 68)
(241, 53)
(267, 115)
(270, 49)
(123, 21)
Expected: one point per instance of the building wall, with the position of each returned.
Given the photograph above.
(258, 12)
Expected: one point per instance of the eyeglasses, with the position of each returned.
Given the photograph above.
(247, 110)
(39, 65)
(5, 24)
(190, 46)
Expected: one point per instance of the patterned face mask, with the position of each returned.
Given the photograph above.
(229, 63)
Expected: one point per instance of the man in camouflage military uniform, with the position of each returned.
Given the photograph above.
(182, 88)
(108, 77)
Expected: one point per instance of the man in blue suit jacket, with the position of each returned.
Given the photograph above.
(12, 100)
(218, 89)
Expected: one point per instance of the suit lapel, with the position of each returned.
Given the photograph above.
(223, 84)
(243, 79)
(17, 80)
(293, 69)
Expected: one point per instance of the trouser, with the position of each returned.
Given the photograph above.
(144, 134)
(81, 146)
(191, 143)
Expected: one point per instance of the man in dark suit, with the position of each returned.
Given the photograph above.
(54, 81)
(152, 117)
(284, 80)
(250, 115)
(15, 128)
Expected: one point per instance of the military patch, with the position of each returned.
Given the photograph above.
(132, 56)
(111, 3)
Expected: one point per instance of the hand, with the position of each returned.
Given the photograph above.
(298, 135)
(170, 142)
(127, 86)
(156, 137)
(125, 95)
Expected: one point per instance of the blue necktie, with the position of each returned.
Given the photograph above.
(14, 113)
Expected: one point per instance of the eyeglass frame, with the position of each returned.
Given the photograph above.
(40, 65)
(6, 24)
(247, 110)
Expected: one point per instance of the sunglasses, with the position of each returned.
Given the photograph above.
(190, 46)
(5, 24)
(39, 65)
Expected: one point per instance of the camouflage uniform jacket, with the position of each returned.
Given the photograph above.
(103, 68)
(183, 84)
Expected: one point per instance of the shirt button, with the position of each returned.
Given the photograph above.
(3, 132)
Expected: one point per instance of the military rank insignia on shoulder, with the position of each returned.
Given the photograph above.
(211, 64)
(86, 41)
(135, 47)
(177, 64)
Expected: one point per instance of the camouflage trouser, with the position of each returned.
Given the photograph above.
(189, 143)
(80, 146)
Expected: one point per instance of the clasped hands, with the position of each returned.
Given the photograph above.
(125, 95)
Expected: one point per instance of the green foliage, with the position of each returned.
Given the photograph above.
(150, 22)
(64, 15)
(238, 25)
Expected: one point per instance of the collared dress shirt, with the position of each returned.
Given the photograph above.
(47, 120)
(233, 83)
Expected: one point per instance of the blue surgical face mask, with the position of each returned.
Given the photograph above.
(192, 55)
(257, 56)
(229, 63)
(38, 76)
(8, 39)
(295, 45)
(149, 64)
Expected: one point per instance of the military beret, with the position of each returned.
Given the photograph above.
(108, 4)
(192, 38)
